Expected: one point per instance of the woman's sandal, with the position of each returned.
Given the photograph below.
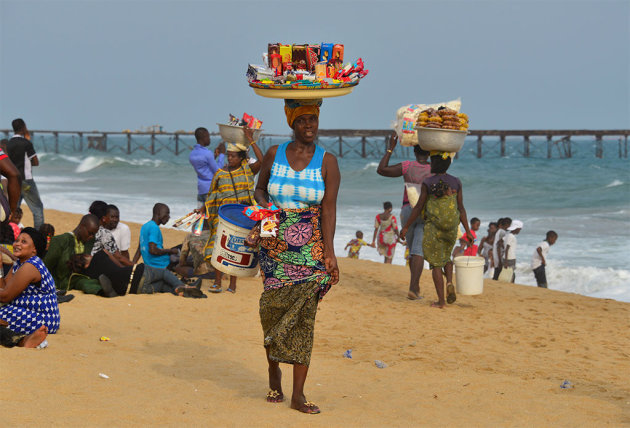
(310, 408)
(450, 294)
(215, 288)
(230, 290)
(274, 396)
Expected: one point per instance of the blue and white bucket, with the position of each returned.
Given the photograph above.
(230, 254)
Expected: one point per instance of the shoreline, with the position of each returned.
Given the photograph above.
(499, 358)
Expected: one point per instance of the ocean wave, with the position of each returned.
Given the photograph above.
(92, 162)
(615, 183)
(585, 280)
(371, 165)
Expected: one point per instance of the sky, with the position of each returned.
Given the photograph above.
(115, 65)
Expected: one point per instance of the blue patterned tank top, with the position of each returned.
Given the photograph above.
(291, 189)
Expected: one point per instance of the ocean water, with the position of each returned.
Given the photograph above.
(586, 200)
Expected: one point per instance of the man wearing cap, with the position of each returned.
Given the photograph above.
(204, 163)
(509, 240)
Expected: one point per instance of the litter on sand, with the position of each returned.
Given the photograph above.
(103, 375)
(380, 364)
(566, 385)
(348, 353)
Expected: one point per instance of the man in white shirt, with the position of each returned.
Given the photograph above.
(509, 259)
(539, 259)
(121, 232)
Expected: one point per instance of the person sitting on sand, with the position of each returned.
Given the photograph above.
(355, 245)
(151, 245)
(539, 259)
(442, 201)
(15, 221)
(48, 230)
(121, 232)
(64, 246)
(191, 258)
(509, 256)
(9, 338)
(28, 292)
(386, 229)
(104, 239)
(118, 280)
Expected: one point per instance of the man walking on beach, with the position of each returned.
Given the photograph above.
(204, 163)
(151, 245)
(22, 153)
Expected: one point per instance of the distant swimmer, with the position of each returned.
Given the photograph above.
(539, 259)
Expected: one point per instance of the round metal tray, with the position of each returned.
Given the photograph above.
(303, 94)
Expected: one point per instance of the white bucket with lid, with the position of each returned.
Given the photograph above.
(230, 254)
(469, 275)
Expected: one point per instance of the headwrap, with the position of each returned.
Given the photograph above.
(444, 155)
(38, 240)
(236, 147)
(295, 108)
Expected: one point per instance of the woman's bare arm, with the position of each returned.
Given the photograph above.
(260, 194)
(332, 178)
(15, 284)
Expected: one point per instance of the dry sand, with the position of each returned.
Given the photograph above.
(497, 359)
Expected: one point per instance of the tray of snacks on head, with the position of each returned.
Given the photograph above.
(233, 131)
(305, 71)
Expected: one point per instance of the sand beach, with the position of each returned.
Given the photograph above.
(498, 359)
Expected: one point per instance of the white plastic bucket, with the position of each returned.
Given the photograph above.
(230, 254)
(469, 275)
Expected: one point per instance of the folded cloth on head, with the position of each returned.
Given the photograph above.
(236, 147)
(295, 108)
(443, 154)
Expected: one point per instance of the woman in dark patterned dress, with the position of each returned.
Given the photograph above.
(299, 264)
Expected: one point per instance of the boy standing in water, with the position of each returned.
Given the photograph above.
(509, 260)
(498, 246)
(355, 245)
(539, 260)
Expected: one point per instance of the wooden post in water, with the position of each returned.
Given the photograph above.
(599, 148)
(625, 147)
(176, 144)
(549, 145)
(153, 143)
(502, 145)
(363, 154)
(340, 147)
(105, 141)
(56, 134)
(479, 146)
(128, 143)
(526, 146)
(80, 141)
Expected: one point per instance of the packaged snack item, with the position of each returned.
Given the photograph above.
(275, 63)
(331, 70)
(286, 52)
(298, 57)
(326, 52)
(269, 226)
(258, 72)
(247, 119)
(287, 66)
(273, 48)
(312, 56)
(320, 70)
(337, 53)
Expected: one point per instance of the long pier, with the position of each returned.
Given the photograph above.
(364, 143)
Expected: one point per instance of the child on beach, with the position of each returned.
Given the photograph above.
(441, 204)
(485, 248)
(498, 246)
(509, 240)
(539, 259)
(14, 221)
(355, 245)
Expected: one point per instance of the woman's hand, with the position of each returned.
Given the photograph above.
(403, 232)
(393, 140)
(249, 134)
(470, 238)
(331, 267)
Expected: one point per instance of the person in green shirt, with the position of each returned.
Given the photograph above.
(63, 247)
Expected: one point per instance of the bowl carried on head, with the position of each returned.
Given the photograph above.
(441, 140)
(236, 134)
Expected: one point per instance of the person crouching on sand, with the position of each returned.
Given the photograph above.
(442, 205)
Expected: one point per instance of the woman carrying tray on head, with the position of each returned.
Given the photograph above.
(233, 184)
(298, 264)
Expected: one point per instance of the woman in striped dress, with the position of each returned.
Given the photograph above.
(298, 265)
(29, 289)
(233, 184)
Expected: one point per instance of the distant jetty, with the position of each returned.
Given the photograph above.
(364, 143)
